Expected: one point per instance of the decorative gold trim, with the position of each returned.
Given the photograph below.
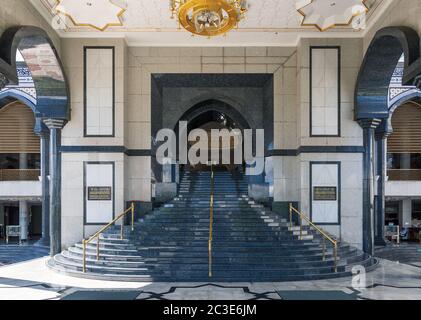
(332, 25)
(198, 5)
(119, 15)
(71, 29)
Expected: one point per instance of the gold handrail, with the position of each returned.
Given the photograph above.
(325, 236)
(211, 223)
(105, 228)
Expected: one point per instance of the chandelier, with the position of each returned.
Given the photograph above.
(208, 17)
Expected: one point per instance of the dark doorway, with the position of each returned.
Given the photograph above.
(228, 141)
(9, 216)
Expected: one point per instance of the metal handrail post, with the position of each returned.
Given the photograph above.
(132, 216)
(102, 230)
(319, 230)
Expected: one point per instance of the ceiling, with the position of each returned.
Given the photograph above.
(148, 22)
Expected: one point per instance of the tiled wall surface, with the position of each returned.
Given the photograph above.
(324, 175)
(290, 67)
(144, 61)
(291, 70)
(72, 211)
(351, 135)
(324, 91)
(99, 175)
(99, 86)
(350, 229)
(73, 62)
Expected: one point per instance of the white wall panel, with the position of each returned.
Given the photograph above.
(99, 175)
(325, 70)
(325, 176)
(99, 91)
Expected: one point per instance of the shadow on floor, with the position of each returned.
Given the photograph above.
(14, 253)
(408, 253)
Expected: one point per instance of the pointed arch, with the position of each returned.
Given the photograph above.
(382, 56)
(42, 59)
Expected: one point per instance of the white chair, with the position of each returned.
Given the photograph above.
(13, 231)
(393, 233)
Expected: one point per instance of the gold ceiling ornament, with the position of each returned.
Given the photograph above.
(327, 14)
(97, 14)
(208, 17)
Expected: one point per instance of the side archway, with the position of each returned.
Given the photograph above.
(41, 57)
(382, 56)
(372, 112)
(51, 109)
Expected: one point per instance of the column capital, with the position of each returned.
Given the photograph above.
(385, 129)
(55, 123)
(41, 129)
(369, 123)
(383, 135)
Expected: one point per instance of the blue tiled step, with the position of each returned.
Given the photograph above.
(250, 243)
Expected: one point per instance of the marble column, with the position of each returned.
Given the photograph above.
(55, 126)
(369, 126)
(406, 213)
(381, 143)
(2, 220)
(23, 219)
(44, 135)
(380, 197)
(23, 205)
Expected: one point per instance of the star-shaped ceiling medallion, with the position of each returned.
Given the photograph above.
(97, 14)
(326, 14)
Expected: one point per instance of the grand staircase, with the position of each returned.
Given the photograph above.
(249, 242)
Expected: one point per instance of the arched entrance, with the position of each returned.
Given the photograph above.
(207, 115)
(51, 110)
(211, 115)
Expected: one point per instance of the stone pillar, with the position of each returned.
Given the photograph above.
(405, 159)
(23, 219)
(381, 187)
(368, 125)
(55, 126)
(23, 161)
(2, 220)
(44, 135)
(406, 213)
(23, 205)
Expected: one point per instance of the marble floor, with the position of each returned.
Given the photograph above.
(32, 280)
(405, 252)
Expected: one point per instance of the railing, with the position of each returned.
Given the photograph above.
(210, 242)
(96, 235)
(19, 174)
(404, 174)
(324, 235)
